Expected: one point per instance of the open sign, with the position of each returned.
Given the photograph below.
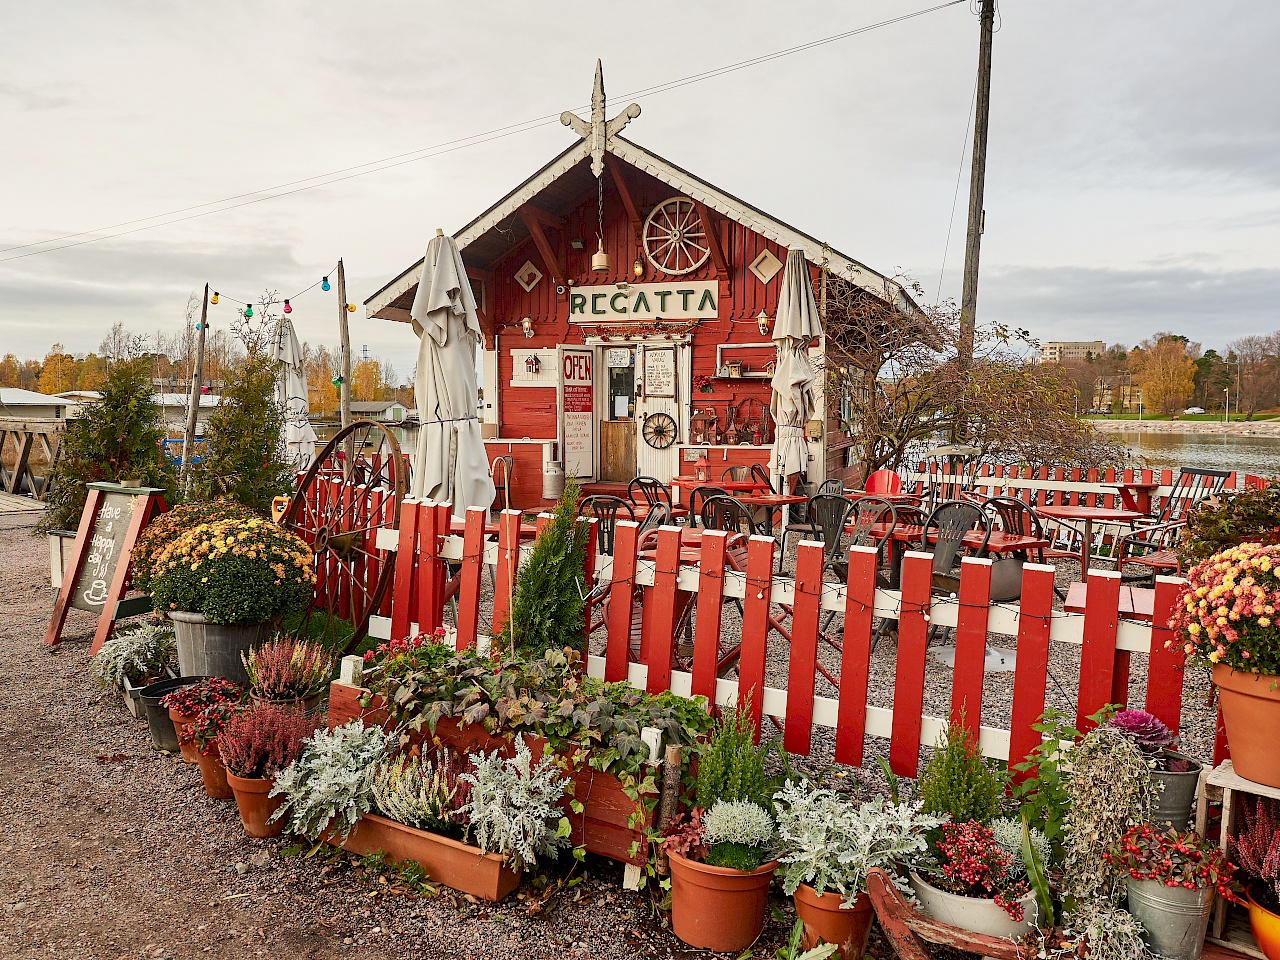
(576, 368)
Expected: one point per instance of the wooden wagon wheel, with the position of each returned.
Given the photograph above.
(341, 504)
(660, 430)
(675, 238)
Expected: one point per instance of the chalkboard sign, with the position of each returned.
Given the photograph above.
(99, 570)
(105, 546)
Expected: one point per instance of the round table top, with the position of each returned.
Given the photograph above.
(688, 483)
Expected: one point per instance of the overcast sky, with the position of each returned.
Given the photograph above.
(1133, 183)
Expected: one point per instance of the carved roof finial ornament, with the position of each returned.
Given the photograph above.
(598, 132)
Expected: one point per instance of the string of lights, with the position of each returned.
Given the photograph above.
(96, 235)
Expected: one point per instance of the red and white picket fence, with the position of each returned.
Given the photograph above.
(656, 583)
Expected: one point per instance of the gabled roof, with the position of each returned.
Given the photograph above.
(373, 406)
(16, 397)
(479, 237)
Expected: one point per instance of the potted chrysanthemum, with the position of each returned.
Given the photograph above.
(225, 584)
(1226, 619)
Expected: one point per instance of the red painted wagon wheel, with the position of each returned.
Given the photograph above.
(352, 490)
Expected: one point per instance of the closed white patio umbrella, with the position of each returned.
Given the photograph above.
(451, 462)
(794, 401)
(291, 394)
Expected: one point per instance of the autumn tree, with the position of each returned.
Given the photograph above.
(92, 373)
(1256, 382)
(1164, 367)
(372, 380)
(9, 367)
(57, 372)
(321, 367)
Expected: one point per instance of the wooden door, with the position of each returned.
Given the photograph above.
(617, 450)
(657, 395)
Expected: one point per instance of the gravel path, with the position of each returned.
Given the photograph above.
(111, 850)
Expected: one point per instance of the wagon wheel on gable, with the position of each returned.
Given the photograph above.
(675, 238)
(339, 508)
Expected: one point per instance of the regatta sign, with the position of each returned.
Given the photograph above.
(644, 301)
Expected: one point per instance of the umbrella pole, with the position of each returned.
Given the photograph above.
(193, 404)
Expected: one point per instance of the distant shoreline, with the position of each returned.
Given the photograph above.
(1244, 428)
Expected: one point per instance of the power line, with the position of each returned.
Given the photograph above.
(448, 146)
(964, 152)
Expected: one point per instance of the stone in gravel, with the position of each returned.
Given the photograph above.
(242, 868)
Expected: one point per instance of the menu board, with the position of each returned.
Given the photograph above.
(106, 542)
(659, 372)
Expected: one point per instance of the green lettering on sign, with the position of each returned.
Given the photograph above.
(684, 298)
(707, 300)
(662, 299)
(613, 303)
(595, 297)
(577, 303)
(641, 299)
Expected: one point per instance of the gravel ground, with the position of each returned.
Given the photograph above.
(111, 850)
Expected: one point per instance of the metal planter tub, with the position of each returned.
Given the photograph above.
(214, 649)
(1175, 918)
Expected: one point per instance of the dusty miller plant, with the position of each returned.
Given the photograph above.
(327, 788)
(512, 810)
(1111, 790)
(830, 844)
(139, 653)
(1007, 834)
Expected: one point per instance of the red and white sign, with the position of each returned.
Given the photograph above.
(577, 413)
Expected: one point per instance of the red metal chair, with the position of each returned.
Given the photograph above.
(884, 481)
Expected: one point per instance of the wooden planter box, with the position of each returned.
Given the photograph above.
(454, 864)
(605, 824)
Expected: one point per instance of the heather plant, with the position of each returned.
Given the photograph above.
(421, 792)
(234, 571)
(1111, 790)
(288, 669)
(262, 739)
(970, 863)
(327, 787)
(168, 526)
(512, 808)
(827, 842)
(1256, 848)
(738, 833)
(957, 782)
(140, 653)
(731, 765)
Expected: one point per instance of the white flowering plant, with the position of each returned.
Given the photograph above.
(328, 787)
(829, 843)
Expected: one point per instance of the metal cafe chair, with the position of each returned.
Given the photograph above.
(737, 472)
(952, 521)
(651, 493)
(607, 511)
(801, 521)
(659, 515)
(1018, 519)
(1151, 545)
(725, 513)
(700, 495)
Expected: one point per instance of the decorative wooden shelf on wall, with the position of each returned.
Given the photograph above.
(722, 364)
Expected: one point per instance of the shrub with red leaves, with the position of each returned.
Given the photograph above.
(1175, 859)
(263, 739)
(974, 865)
(686, 836)
(190, 701)
(207, 726)
(286, 669)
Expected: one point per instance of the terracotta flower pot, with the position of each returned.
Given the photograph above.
(214, 775)
(717, 908)
(1266, 928)
(824, 918)
(1251, 712)
(254, 806)
(189, 752)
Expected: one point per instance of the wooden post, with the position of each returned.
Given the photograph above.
(672, 763)
(977, 180)
(193, 404)
(344, 390)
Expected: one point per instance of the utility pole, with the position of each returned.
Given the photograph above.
(977, 179)
(193, 403)
(344, 390)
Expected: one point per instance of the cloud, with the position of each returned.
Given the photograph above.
(1126, 305)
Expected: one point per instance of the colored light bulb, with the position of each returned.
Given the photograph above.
(214, 298)
(351, 308)
(287, 308)
(324, 283)
(337, 381)
(248, 311)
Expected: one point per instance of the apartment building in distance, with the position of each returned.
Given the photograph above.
(1071, 351)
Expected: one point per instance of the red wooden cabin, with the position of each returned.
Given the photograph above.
(636, 367)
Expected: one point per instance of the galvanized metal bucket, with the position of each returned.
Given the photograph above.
(1177, 795)
(1175, 918)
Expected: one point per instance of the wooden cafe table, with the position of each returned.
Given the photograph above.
(1088, 516)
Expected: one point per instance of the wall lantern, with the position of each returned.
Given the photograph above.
(762, 322)
(527, 324)
(532, 364)
(638, 268)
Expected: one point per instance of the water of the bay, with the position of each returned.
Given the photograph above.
(1229, 451)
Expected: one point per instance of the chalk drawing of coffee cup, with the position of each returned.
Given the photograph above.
(97, 592)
